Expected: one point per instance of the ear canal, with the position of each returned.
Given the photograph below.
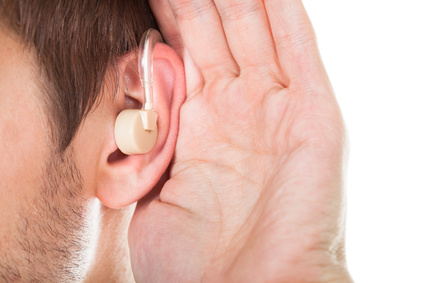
(136, 131)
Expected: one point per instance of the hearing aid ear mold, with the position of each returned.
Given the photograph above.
(136, 130)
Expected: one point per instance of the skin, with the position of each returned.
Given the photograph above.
(53, 228)
(255, 190)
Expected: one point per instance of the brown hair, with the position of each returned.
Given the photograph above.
(75, 42)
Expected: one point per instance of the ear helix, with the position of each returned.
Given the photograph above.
(136, 130)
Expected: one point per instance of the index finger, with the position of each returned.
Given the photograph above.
(203, 36)
(167, 24)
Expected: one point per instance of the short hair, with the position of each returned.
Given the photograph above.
(75, 43)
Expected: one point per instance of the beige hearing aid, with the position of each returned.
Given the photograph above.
(136, 130)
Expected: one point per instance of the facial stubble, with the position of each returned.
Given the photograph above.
(51, 240)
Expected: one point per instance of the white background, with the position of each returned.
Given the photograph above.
(373, 51)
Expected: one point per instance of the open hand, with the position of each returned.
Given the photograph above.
(255, 188)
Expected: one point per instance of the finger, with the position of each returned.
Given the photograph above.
(171, 34)
(248, 34)
(200, 27)
(167, 24)
(295, 41)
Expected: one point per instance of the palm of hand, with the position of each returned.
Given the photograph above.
(254, 189)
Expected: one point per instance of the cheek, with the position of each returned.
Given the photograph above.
(23, 139)
(23, 150)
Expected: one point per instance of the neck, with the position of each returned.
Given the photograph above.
(111, 262)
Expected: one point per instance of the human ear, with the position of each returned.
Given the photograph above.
(124, 179)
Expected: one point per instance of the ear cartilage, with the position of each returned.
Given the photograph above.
(136, 130)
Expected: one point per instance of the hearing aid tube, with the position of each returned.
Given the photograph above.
(145, 65)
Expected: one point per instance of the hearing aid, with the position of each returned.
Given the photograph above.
(136, 129)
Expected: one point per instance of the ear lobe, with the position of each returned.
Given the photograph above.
(122, 179)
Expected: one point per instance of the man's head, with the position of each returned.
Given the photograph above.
(66, 71)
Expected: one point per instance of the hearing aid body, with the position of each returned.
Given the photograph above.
(136, 130)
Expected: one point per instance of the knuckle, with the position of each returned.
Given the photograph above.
(188, 10)
(236, 10)
(301, 35)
